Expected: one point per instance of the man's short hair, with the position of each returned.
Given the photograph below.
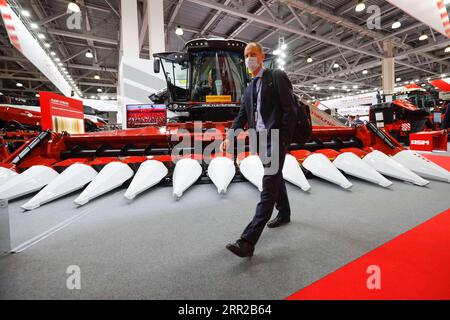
(256, 44)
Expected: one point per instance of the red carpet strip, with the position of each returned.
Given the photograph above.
(443, 161)
(414, 265)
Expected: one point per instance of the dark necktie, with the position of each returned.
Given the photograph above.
(255, 92)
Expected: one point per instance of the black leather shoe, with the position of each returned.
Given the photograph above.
(277, 222)
(241, 248)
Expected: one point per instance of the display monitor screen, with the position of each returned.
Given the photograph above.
(145, 115)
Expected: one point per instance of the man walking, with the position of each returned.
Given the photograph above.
(267, 105)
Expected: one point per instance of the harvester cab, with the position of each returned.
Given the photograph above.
(210, 74)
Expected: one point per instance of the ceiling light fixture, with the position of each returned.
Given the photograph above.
(73, 7)
(26, 13)
(89, 54)
(423, 37)
(309, 60)
(336, 65)
(97, 77)
(447, 50)
(34, 25)
(365, 72)
(397, 24)
(361, 6)
(41, 36)
(18, 84)
(179, 31)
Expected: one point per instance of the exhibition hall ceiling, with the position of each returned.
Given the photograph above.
(331, 48)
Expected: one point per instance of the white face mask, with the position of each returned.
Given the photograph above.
(252, 63)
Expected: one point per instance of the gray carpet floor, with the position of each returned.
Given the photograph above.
(157, 248)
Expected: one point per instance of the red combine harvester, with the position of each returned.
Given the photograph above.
(204, 83)
(19, 123)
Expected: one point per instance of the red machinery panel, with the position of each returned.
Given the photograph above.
(429, 140)
(60, 113)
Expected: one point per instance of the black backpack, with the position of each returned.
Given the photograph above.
(303, 125)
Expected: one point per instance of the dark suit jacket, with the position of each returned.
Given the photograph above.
(278, 109)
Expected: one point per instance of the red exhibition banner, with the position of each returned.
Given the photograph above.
(60, 113)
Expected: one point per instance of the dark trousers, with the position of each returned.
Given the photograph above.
(274, 194)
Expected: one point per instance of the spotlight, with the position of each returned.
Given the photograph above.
(398, 79)
(336, 65)
(37, 95)
(18, 84)
(309, 60)
(365, 72)
(423, 37)
(284, 46)
(99, 90)
(41, 36)
(179, 31)
(447, 50)
(331, 88)
(355, 87)
(47, 45)
(26, 13)
(397, 24)
(34, 25)
(97, 77)
(89, 54)
(53, 53)
(361, 6)
(73, 7)
(277, 52)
